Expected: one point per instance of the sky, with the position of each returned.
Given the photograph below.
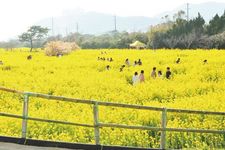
(17, 15)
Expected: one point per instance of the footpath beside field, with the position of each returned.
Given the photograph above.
(10, 146)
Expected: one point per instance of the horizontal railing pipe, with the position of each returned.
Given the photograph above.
(195, 130)
(44, 120)
(60, 122)
(11, 115)
(10, 90)
(130, 106)
(111, 125)
(60, 98)
(195, 111)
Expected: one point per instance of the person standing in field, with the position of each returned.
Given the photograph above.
(142, 77)
(107, 67)
(178, 61)
(135, 63)
(122, 67)
(135, 78)
(29, 57)
(159, 73)
(153, 74)
(139, 62)
(127, 62)
(168, 73)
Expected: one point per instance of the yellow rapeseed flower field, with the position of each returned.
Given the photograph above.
(193, 85)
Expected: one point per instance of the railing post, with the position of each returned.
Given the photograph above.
(163, 133)
(96, 123)
(25, 115)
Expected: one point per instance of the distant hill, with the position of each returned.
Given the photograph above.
(96, 23)
(208, 10)
(99, 23)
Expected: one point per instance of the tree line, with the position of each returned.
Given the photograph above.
(177, 32)
(186, 34)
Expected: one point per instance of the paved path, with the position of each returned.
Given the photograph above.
(9, 146)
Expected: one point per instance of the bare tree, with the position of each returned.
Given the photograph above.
(188, 39)
(171, 42)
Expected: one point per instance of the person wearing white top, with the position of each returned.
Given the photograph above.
(135, 78)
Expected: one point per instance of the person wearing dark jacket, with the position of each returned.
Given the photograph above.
(168, 73)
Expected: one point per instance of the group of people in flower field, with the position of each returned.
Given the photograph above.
(140, 77)
(154, 74)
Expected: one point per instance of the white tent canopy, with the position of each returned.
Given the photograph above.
(138, 45)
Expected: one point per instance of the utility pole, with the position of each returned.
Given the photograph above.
(115, 23)
(52, 27)
(187, 11)
(77, 27)
(66, 31)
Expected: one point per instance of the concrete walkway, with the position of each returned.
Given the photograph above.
(9, 146)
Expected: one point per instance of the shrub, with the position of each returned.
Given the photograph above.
(56, 48)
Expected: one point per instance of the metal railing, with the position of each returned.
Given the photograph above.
(97, 125)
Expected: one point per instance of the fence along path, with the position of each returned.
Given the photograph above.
(97, 125)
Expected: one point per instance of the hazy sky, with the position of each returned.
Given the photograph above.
(17, 15)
